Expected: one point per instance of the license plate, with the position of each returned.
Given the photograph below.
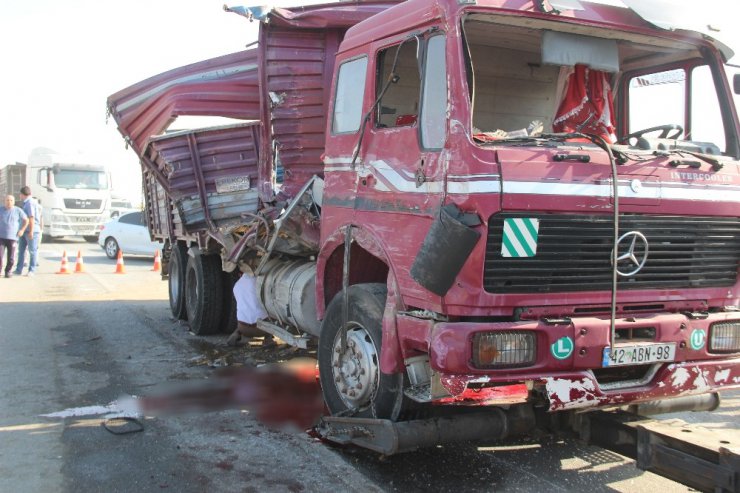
(639, 354)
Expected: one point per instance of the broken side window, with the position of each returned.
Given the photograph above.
(399, 106)
(349, 95)
(434, 95)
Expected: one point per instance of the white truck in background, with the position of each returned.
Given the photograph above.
(74, 191)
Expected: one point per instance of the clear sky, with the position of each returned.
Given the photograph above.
(61, 59)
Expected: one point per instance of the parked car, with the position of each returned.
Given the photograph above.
(128, 233)
(120, 206)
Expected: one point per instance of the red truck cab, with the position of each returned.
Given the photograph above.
(473, 150)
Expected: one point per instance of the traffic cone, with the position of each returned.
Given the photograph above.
(157, 262)
(79, 264)
(63, 268)
(119, 263)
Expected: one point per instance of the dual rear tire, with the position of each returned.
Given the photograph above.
(196, 290)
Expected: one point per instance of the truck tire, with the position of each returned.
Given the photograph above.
(228, 324)
(91, 238)
(176, 281)
(353, 381)
(203, 293)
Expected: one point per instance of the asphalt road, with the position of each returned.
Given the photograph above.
(69, 342)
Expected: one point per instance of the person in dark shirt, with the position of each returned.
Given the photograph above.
(30, 240)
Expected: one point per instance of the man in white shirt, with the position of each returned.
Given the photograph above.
(249, 308)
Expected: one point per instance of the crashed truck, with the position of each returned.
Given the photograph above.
(499, 204)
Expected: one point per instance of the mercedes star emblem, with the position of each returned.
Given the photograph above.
(636, 254)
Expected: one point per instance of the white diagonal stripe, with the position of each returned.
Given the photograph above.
(513, 240)
(531, 242)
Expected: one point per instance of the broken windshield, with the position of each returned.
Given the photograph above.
(531, 78)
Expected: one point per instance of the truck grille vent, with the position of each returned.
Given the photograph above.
(82, 203)
(573, 253)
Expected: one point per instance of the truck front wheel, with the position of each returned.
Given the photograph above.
(176, 281)
(351, 379)
(203, 293)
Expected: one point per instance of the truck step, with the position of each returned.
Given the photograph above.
(299, 341)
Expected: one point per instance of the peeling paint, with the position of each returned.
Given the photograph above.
(570, 394)
(721, 376)
(680, 377)
(700, 383)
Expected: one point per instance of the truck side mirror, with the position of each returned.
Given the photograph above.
(736, 83)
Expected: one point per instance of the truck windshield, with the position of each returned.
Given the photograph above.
(73, 178)
(532, 77)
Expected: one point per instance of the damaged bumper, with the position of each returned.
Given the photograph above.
(568, 371)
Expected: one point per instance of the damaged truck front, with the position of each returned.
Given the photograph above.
(488, 203)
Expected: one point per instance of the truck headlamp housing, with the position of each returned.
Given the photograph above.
(725, 337)
(504, 349)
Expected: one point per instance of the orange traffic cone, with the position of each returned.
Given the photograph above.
(157, 262)
(79, 264)
(63, 268)
(119, 263)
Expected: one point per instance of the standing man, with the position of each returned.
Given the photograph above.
(29, 240)
(13, 223)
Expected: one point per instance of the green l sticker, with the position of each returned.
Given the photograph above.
(562, 348)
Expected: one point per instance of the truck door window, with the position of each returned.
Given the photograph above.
(349, 94)
(706, 117)
(660, 98)
(434, 95)
(657, 99)
(399, 106)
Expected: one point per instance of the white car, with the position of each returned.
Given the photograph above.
(120, 206)
(128, 233)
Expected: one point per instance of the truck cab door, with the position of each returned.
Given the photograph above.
(401, 156)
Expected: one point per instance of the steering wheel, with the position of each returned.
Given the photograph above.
(664, 130)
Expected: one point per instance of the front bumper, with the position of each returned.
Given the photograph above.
(574, 382)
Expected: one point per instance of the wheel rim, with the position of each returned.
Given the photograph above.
(111, 248)
(356, 372)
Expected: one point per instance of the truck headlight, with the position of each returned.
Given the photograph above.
(724, 337)
(504, 349)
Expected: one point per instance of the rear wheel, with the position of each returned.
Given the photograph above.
(203, 293)
(176, 281)
(91, 238)
(351, 380)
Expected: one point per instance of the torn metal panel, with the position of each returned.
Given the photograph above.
(297, 71)
(225, 86)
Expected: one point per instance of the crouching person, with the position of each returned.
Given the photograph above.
(249, 308)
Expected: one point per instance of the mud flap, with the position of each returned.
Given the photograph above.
(446, 247)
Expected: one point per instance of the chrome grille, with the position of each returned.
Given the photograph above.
(574, 254)
(82, 203)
